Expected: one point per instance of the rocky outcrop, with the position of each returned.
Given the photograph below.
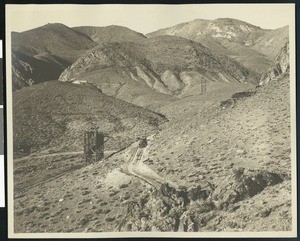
(272, 42)
(280, 68)
(159, 210)
(243, 184)
(27, 70)
(184, 210)
(21, 72)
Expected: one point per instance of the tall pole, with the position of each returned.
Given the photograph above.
(203, 86)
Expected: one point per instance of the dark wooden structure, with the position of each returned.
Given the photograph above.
(93, 146)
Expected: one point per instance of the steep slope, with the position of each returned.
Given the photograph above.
(281, 66)
(28, 70)
(162, 66)
(56, 39)
(54, 115)
(220, 29)
(41, 54)
(229, 37)
(232, 163)
(226, 146)
(111, 33)
(272, 42)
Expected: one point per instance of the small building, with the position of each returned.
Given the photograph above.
(78, 82)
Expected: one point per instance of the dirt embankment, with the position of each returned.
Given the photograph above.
(135, 166)
(168, 207)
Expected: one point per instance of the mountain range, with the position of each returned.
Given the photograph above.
(207, 48)
(163, 65)
(41, 54)
(211, 100)
(252, 46)
(149, 71)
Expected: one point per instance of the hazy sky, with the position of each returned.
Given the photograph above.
(145, 18)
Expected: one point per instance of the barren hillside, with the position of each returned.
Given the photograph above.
(211, 101)
(54, 116)
(154, 70)
(228, 156)
(41, 54)
(272, 42)
(111, 33)
(250, 45)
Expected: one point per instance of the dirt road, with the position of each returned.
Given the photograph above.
(48, 155)
(137, 168)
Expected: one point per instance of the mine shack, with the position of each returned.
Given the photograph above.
(93, 146)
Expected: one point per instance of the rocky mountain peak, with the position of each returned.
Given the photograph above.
(221, 29)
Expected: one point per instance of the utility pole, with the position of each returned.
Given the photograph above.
(203, 85)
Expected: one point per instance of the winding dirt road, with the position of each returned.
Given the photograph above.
(137, 168)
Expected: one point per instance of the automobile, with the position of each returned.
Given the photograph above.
(142, 142)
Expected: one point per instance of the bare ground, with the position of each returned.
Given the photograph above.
(200, 144)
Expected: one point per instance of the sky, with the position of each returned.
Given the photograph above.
(145, 18)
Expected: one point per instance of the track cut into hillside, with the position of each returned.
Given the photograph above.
(135, 166)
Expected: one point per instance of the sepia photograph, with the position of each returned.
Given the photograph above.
(151, 120)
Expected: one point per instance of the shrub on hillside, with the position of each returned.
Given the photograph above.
(244, 94)
(226, 103)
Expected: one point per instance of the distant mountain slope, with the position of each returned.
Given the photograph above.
(55, 115)
(28, 70)
(56, 39)
(280, 68)
(272, 42)
(220, 29)
(41, 54)
(164, 65)
(111, 33)
(248, 44)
